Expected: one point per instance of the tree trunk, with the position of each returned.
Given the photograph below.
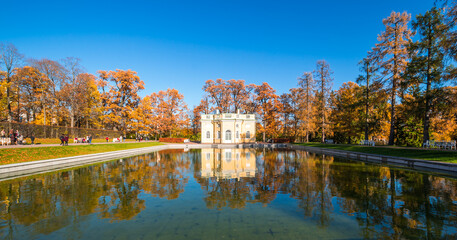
(323, 130)
(264, 129)
(428, 100)
(392, 120)
(366, 104)
(323, 109)
(393, 102)
(8, 98)
(427, 113)
(18, 105)
(307, 114)
(72, 119)
(44, 115)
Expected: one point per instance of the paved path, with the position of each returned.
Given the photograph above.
(69, 144)
(386, 146)
(409, 148)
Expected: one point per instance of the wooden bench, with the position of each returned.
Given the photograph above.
(446, 145)
(367, 143)
(429, 144)
(440, 145)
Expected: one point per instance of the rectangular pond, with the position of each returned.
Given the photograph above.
(230, 194)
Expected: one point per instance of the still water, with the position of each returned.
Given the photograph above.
(229, 194)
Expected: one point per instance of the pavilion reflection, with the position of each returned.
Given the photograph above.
(228, 163)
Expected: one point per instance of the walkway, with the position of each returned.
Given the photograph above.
(69, 144)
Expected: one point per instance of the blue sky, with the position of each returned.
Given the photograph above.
(181, 44)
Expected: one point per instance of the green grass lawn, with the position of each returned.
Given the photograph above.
(17, 155)
(432, 155)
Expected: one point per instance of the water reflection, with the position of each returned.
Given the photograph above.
(300, 188)
(226, 176)
(228, 163)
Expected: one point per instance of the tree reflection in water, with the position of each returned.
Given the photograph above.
(385, 202)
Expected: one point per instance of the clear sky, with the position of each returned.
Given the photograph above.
(181, 44)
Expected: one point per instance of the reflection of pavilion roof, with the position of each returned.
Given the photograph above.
(228, 163)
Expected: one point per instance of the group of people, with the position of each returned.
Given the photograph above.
(87, 139)
(15, 137)
(64, 140)
(140, 138)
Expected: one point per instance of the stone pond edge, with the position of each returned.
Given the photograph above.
(14, 170)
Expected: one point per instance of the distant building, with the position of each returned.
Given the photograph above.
(228, 128)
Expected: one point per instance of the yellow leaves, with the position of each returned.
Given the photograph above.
(122, 97)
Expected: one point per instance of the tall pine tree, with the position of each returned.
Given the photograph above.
(427, 64)
(391, 55)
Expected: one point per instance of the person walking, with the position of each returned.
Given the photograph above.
(20, 140)
(11, 136)
(66, 140)
(62, 139)
(32, 139)
(16, 136)
(3, 136)
(107, 139)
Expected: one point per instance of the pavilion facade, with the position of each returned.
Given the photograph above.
(228, 128)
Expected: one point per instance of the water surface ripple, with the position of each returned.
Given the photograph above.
(229, 194)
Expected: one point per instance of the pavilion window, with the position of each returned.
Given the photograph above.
(228, 135)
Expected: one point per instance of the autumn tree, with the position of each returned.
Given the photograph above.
(218, 93)
(347, 112)
(204, 108)
(323, 77)
(3, 99)
(297, 116)
(10, 58)
(73, 87)
(239, 94)
(307, 86)
(175, 110)
(85, 105)
(251, 103)
(427, 65)
(55, 73)
(143, 117)
(443, 125)
(32, 88)
(103, 87)
(123, 97)
(370, 78)
(90, 106)
(268, 105)
(170, 111)
(287, 112)
(391, 55)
